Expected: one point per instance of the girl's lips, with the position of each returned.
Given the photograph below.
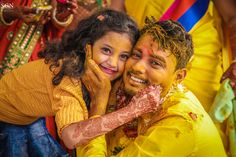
(108, 70)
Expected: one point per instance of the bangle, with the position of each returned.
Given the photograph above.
(94, 116)
(2, 21)
(65, 23)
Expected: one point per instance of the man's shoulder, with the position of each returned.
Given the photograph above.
(185, 105)
(182, 100)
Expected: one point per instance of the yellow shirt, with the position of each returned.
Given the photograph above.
(183, 130)
(27, 93)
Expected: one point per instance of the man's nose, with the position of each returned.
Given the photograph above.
(140, 67)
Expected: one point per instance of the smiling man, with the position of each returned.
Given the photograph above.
(182, 127)
(150, 64)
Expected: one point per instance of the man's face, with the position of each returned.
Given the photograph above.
(147, 65)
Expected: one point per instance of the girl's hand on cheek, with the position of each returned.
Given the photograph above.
(97, 84)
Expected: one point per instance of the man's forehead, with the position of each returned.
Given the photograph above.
(146, 40)
(148, 44)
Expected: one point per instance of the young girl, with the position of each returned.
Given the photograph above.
(53, 86)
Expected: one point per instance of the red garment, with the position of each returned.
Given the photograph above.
(50, 31)
(7, 34)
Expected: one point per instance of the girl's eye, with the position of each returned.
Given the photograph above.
(106, 50)
(124, 57)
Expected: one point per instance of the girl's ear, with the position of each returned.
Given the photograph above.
(180, 75)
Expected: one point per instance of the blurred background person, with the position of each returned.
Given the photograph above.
(25, 27)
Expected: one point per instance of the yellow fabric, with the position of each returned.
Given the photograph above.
(95, 148)
(175, 133)
(206, 68)
(27, 93)
(224, 39)
(140, 9)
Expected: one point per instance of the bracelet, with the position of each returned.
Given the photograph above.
(94, 116)
(65, 23)
(2, 21)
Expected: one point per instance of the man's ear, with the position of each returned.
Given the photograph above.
(180, 75)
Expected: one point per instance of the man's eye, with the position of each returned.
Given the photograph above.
(135, 55)
(106, 50)
(155, 64)
(124, 57)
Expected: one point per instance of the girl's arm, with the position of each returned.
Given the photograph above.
(80, 133)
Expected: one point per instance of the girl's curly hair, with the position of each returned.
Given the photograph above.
(69, 53)
(170, 35)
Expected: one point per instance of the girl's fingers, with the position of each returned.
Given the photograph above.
(88, 51)
(90, 80)
(96, 70)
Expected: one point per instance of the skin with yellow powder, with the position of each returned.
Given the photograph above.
(149, 64)
(111, 52)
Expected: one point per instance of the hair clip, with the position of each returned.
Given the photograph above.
(100, 17)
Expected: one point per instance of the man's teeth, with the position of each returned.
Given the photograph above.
(137, 79)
